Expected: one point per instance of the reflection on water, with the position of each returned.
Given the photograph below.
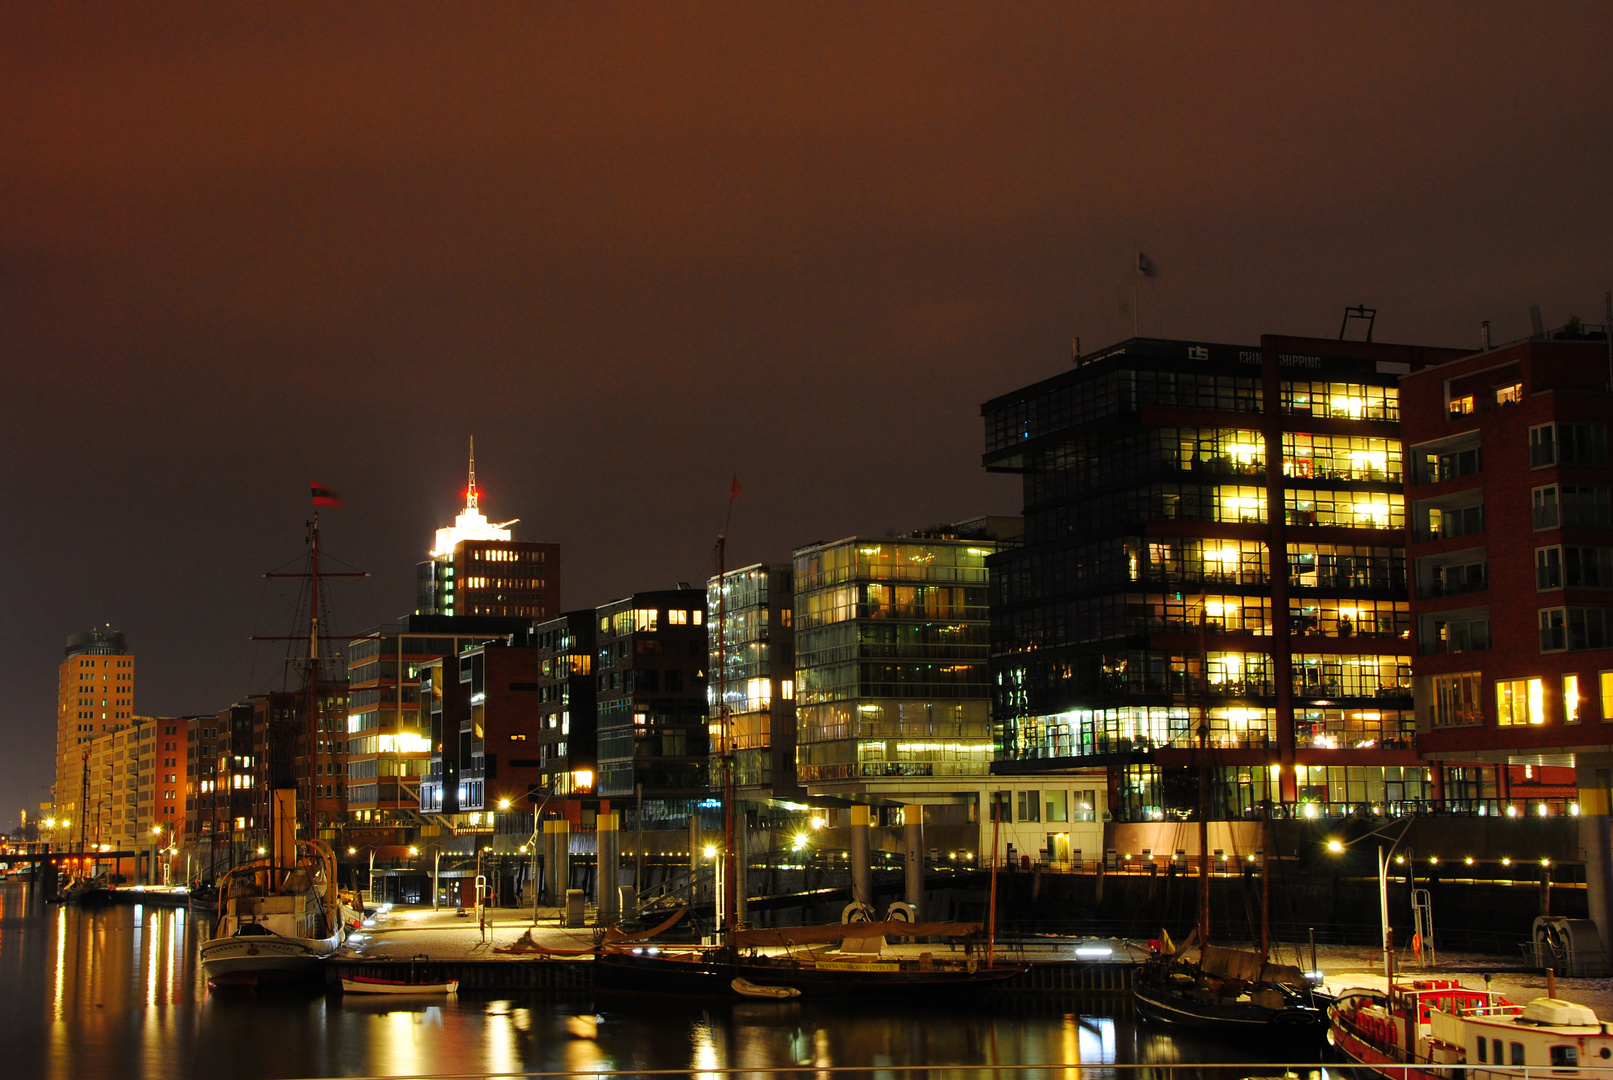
(118, 993)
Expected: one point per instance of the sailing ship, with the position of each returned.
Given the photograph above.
(1433, 1029)
(278, 916)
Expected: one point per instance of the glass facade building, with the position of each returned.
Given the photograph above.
(892, 650)
(1214, 550)
(754, 607)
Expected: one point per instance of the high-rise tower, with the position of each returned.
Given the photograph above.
(94, 694)
(477, 569)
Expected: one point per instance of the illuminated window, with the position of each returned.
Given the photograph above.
(1519, 702)
(1571, 699)
(699, 616)
(1606, 680)
(1456, 699)
(1461, 406)
(674, 617)
(1509, 395)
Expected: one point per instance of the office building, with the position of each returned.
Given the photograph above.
(566, 742)
(1214, 557)
(388, 747)
(892, 692)
(482, 710)
(477, 568)
(650, 692)
(94, 694)
(753, 669)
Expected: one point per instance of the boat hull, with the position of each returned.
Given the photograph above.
(379, 986)
(1164, 1007)
(711, 977)
(260, 960)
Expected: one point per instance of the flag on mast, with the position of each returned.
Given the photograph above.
(733, 492)
(324, 496)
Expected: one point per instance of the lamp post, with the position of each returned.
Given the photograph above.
(1336, 845)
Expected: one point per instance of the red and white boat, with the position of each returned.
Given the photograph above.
(1438, 1029)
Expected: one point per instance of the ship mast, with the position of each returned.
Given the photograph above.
(315, 635)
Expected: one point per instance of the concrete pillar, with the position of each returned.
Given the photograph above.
(1596, 843)
(741, 861)
(694, 857)
(913, 842)
(557, 859)
(609, 876)
(862, 882)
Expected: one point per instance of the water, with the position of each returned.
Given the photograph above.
(118, 993)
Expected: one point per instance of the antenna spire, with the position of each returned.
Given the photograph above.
(470, 492)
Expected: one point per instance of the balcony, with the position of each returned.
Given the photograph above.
(1452, 588)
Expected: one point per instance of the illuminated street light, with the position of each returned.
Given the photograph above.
(504, 804)
(1335, 845)
(711, 851)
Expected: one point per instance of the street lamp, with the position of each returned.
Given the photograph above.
(1335, 845)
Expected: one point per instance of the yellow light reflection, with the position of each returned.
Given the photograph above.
(704, 1060)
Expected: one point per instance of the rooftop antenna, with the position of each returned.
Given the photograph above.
(1537, 326)
(470, 493)
(1359, 313)
(1075, 352)
(1484, 336)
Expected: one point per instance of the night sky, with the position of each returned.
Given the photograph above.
(634, 250)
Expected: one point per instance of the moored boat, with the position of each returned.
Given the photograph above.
(1428, 1029)
(711, 972)
(1227, 991)
(276, 921)
(359, 984)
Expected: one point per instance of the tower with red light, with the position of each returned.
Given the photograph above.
(476, 567)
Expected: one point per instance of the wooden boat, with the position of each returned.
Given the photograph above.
(1227, 991)
(1433, 1029)
(625, 967)
(360, 984)
(276, 921)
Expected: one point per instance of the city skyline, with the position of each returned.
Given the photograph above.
(639, 252)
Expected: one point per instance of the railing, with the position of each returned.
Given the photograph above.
(1220, 1070)
(1451, 588)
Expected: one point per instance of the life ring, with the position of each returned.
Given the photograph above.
(1417, 944)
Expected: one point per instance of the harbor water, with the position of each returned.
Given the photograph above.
(117, 993)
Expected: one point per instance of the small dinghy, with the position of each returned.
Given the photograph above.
(359, 984)
(746, 988)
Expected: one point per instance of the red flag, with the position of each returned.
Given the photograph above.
(324, 496)
(733, 492)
